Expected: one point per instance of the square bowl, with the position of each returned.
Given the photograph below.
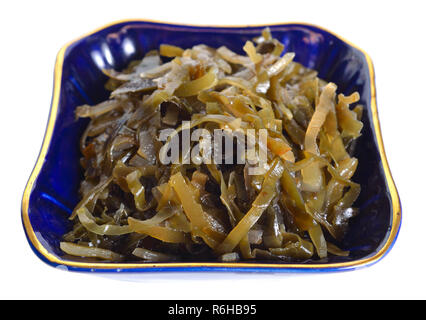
(52, 190)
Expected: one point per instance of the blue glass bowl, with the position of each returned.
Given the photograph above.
(52, 190)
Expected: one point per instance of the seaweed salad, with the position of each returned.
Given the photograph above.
(159, 185)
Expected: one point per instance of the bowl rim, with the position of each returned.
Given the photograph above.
(53, 260)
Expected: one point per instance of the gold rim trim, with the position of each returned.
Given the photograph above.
(396, 208)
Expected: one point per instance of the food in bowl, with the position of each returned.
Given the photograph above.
(204, 154)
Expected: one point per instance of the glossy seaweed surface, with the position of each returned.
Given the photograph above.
(55, 191)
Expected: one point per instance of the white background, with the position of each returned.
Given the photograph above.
(392, 32)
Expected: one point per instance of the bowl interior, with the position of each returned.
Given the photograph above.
(55, 191)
